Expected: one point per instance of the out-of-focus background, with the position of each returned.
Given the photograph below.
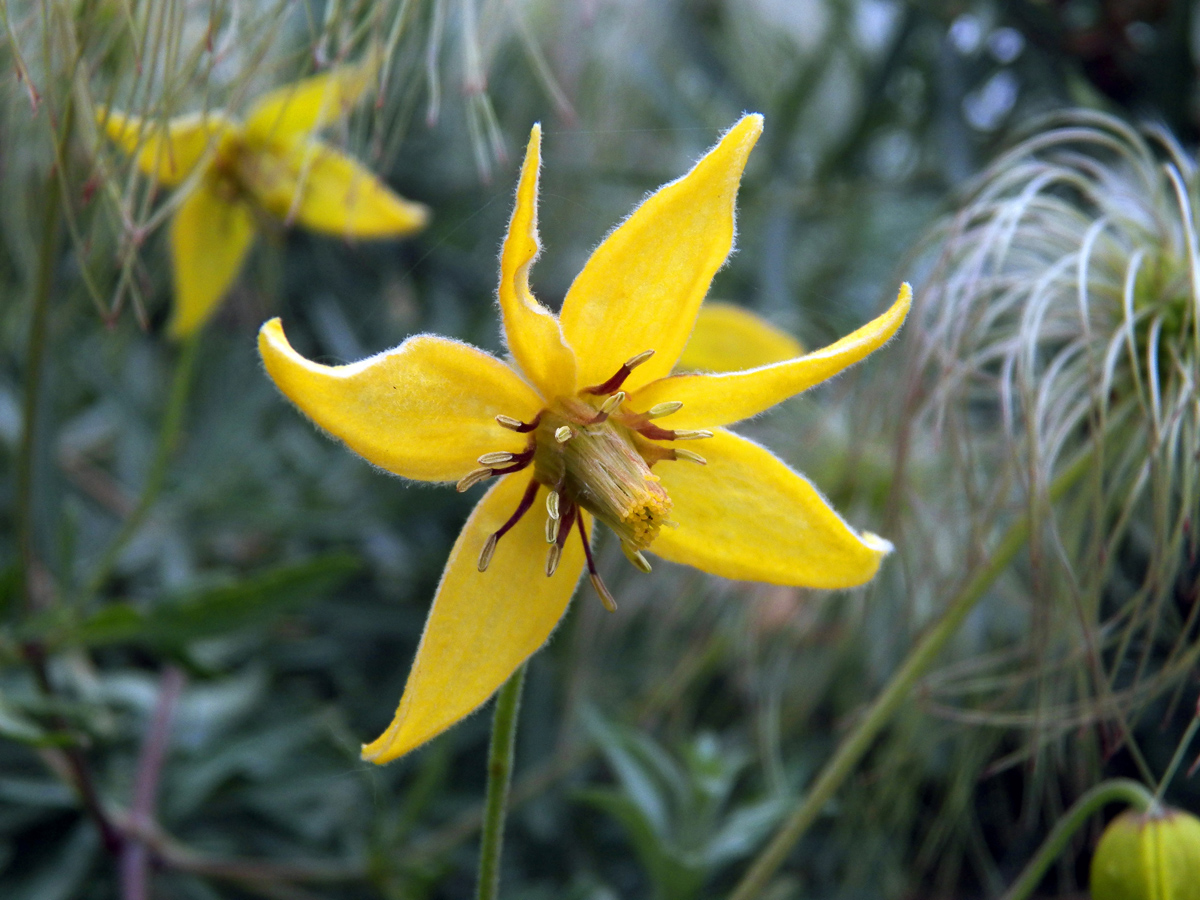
(258, 622)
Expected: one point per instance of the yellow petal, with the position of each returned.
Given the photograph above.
(168, 150)
(309, 104)
(210, 236)
(643, 285)
(482, 624)
(425, 410)
(748, 515)
(531, 331)
(327, 191)
(722, 399)
(729, 338)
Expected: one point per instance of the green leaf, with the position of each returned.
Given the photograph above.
(204, 613)
(16, 726)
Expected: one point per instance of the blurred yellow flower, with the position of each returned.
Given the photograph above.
(572, 423)
(272, 163)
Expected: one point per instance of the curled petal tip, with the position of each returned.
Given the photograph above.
(881, 545)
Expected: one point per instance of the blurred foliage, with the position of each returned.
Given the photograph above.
(261, 616)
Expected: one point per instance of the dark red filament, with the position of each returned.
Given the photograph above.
(522, 508)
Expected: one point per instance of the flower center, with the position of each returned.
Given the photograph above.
(597, 466)
(595, 457)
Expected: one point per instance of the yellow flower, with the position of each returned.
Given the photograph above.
(273, 164)
(572, 428)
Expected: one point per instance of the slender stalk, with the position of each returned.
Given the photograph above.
(34, 359)
(1117, 790)
(1184, 743)
(500, 766)
(855, 745)
(135, 854)
(168, 438)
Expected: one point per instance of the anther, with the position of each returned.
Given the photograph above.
(634, 361)
(680, 453)
(605, 597)
(658, 410)
(489, 548)
(593, 576)
(497, 458)
(609, 406)
(563, 433)
(552, 504)
(691, 435)
(552, 558)
(551, 529)
(473, 478)
(517, 425)
(635, 556)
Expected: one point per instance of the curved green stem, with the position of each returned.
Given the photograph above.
(855, 745)
(1118, 790)
(168, 437)
(35, 356)
(500, 766)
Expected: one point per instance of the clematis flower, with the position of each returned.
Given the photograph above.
(586, 424)
(234, 173)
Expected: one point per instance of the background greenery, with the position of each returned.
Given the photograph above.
(258, 623)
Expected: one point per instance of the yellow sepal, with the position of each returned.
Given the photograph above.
(531, 331)
(308, 105)
(729, 338)
(483, 625)
(747, 515)
(642, 287)
(425, 410)
(210, 236)
(725, 398)
(324, 190)
(166, 151)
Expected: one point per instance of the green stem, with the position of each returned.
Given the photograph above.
(35, 356)
(500, 766)
(168, 438)
(1188, 735)
(855, 745)
(1118, 790)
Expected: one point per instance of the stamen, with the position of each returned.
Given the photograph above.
(609, 406)
(593, 576)
(635, 556)
(552, 504)
(634, 361)
(605, 597)
(485, 555)
(552, 559)
(555, 555)
(658, 410)
(497, 458)
(680, 453)
(473, 478)
(563, 433)
(622, 373)
(691, 435)
(489, 546)
(517, 425)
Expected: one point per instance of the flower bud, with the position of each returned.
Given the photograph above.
(1148, 856)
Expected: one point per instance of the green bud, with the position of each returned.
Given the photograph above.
(1148, 856)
